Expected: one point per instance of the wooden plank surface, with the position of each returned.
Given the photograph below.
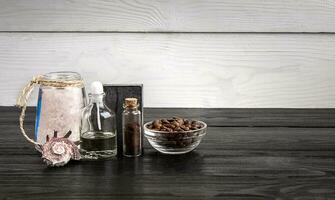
(168, 15)
(219, 117)
(252, 117)
(183, 70)
(230, 163)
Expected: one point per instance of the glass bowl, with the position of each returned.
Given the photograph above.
(175, 142)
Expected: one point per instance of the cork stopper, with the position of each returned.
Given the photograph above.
(130, 102)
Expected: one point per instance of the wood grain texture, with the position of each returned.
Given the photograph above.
(219, 117)
(230, 163)
(183, 70)
(168, 15)
(249, 117)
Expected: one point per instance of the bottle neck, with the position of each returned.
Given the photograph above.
(97, 99)
(131, 108)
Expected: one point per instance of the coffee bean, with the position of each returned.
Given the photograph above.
(186, 129)
(174, 124)
(180, 121)
(168, 125)
(157, 124)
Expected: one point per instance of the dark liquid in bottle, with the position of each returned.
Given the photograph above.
(98, 141)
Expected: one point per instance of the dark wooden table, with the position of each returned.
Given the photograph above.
(246, 154)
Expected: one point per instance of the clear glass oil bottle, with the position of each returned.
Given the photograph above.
(131, 128)
(98, 135)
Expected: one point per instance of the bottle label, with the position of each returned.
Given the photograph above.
(106, 115)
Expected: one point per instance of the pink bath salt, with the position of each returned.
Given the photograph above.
(60, 110)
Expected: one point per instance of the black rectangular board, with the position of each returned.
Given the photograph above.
(115, 95)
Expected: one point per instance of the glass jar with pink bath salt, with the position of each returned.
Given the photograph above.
(61, 99)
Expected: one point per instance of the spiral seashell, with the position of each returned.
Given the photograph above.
(59, 151)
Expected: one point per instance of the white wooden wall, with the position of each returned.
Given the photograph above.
(187, 53)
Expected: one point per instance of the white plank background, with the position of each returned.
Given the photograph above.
(187, 53)
(183, 70)
(168, 15)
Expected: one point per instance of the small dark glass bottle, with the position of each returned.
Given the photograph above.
(131, 128)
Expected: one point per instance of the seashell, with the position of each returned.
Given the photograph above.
(59, 151)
